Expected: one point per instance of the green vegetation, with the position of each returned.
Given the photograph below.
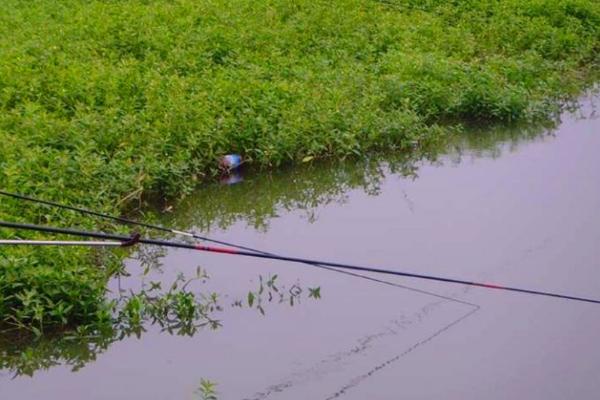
(103, 103)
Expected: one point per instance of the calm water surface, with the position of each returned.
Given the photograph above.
(518, 208)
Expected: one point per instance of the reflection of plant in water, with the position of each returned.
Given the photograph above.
(304, 188)
(268, 292)
(150, 257)
(25, 356)
(310, 186)
(177, 310)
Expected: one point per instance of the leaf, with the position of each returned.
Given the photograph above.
(250, 299)
(315, 293)
(307, 159)
(36, 331)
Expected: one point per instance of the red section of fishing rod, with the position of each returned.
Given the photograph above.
(223, 250)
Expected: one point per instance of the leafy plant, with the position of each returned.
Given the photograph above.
(207, 390)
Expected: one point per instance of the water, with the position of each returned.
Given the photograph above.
(515, 208)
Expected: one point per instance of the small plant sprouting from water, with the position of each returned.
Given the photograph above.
(207, 390)
(314, 293)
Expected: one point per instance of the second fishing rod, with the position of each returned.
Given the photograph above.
(130, 240)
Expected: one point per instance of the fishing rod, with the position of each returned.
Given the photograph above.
(223, 250)
(160, 228)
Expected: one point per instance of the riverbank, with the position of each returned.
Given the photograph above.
(104, 103)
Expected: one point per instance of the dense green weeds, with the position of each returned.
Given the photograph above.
(102, 102)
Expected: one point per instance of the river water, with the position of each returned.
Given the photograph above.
(519, 208)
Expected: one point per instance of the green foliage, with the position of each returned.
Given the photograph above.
(40, 290)
(207, 390)
(315, 293)
(105, 102)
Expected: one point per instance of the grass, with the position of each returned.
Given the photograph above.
(103, 103)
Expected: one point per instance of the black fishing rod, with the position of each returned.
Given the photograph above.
(131, 240)
(160, 228)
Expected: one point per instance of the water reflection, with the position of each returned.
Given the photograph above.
(232, 178)
(178, 310)
(23, 356)
(262, 196)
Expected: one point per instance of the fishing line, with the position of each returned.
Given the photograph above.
(195, 236)
(222, 250)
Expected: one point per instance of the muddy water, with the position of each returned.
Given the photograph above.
(516, 208)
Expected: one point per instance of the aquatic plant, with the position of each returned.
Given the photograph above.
(207, 390)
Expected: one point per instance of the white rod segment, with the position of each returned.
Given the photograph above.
(176, 232)
(58, 243)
